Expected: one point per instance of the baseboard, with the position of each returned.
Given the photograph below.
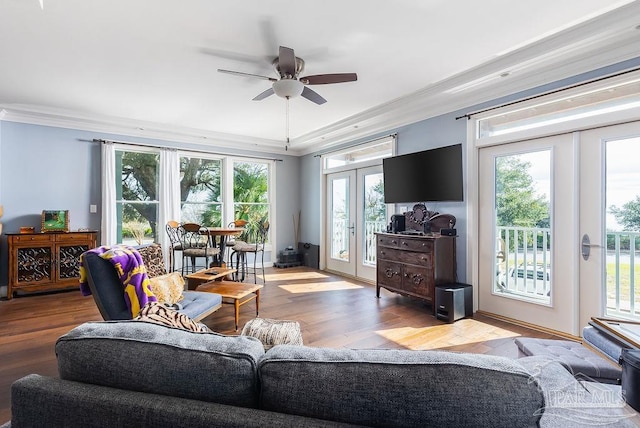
(530, 326)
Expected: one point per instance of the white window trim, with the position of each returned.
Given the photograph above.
(597, 119)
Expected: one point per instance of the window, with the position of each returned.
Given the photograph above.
(610, 96)
(214, 191)
(137, 196)
(200, 191)
(251, 193)
(379, 149)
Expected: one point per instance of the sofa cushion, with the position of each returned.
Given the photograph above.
(147, 357)
(399, 387)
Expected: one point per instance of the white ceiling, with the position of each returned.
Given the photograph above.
(148, 67)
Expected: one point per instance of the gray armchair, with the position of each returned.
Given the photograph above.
(108, 293)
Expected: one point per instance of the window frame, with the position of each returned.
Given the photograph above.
(125, 148)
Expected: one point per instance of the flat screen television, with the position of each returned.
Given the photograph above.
(428, 176)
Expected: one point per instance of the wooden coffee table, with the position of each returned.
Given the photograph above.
(206, 275)
(237, 293)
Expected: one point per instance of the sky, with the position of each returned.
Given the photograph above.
(622, 174)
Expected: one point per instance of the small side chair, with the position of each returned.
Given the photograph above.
(241, 249)
(195, 244)
(175, 245)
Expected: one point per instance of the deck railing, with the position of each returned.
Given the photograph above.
(523, 263)
(340, 242)
(523, 267)
(623, 273)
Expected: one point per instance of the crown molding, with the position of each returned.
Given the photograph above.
(135, 128)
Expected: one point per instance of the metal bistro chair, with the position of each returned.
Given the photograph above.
(241, 250)
(175, 245)
(235, 240)
(195, 244)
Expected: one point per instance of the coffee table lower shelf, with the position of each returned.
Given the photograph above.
(236, 293)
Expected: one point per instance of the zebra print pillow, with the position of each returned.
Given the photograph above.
(160, 314)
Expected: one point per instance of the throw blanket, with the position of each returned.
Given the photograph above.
(131, 271)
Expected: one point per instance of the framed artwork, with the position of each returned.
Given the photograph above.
(55, 221)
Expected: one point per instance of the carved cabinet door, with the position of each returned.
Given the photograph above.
(34, 265)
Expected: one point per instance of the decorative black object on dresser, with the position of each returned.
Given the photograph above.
(46, 261)
(413, 265)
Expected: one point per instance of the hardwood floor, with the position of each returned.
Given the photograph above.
(332, 311)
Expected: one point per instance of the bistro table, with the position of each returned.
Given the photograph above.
(218, 239)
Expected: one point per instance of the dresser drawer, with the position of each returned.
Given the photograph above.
(422, 245)
(418, 281)
(65, 237)
(41, 237)
(388, 241)
(409, 257)
(389, 273)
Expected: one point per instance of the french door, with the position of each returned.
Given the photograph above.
(355, 212)
(557, 238)
(609, 238)
(527, 256)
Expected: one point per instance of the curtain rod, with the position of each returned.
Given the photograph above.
(554, 91)
(100, 140)
(355, 145)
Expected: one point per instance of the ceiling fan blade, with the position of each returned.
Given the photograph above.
(312, 95)
(239, 73)
(323, 79)
(264, 94)
(287, 61)
(261, 61)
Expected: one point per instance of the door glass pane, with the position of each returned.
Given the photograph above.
(623, 228)
(340, 219)
(522, 222)
(375, 214)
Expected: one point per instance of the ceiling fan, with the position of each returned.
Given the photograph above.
(289, 85)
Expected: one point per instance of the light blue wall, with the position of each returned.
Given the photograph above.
(51, 168)
(434, 132)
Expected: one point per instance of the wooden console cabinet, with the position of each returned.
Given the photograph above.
(46, 261)
(413, 265)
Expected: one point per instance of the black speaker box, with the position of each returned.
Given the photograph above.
(397, 223)
(448, 232)
(453, 301)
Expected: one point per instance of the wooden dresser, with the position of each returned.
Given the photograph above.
(413, 265)
(46, 261)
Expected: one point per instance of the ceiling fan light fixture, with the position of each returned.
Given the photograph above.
(288, 88)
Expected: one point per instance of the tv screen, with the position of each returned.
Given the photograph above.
(427, 176)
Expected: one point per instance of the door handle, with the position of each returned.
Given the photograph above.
(586, 246)
(353, 228)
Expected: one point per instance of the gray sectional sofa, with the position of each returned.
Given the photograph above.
(139, 374)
